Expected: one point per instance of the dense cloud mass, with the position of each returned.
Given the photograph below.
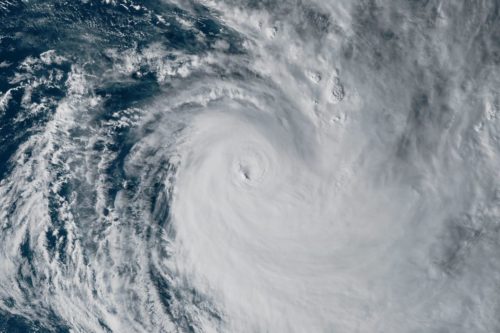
(249, 166)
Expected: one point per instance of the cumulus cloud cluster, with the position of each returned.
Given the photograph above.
(314, 166)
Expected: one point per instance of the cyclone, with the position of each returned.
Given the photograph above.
(249, 166)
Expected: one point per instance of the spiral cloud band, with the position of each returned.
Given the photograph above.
(250, 166)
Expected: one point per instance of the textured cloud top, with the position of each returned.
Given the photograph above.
(249, 166)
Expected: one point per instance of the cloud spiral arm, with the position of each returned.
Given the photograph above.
(271, 167)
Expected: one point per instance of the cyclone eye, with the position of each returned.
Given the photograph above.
(250, 166)
(245, 172)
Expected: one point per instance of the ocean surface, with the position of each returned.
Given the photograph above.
(244, 166)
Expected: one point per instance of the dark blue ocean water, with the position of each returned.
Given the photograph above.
(81, 33)
(385, 110)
